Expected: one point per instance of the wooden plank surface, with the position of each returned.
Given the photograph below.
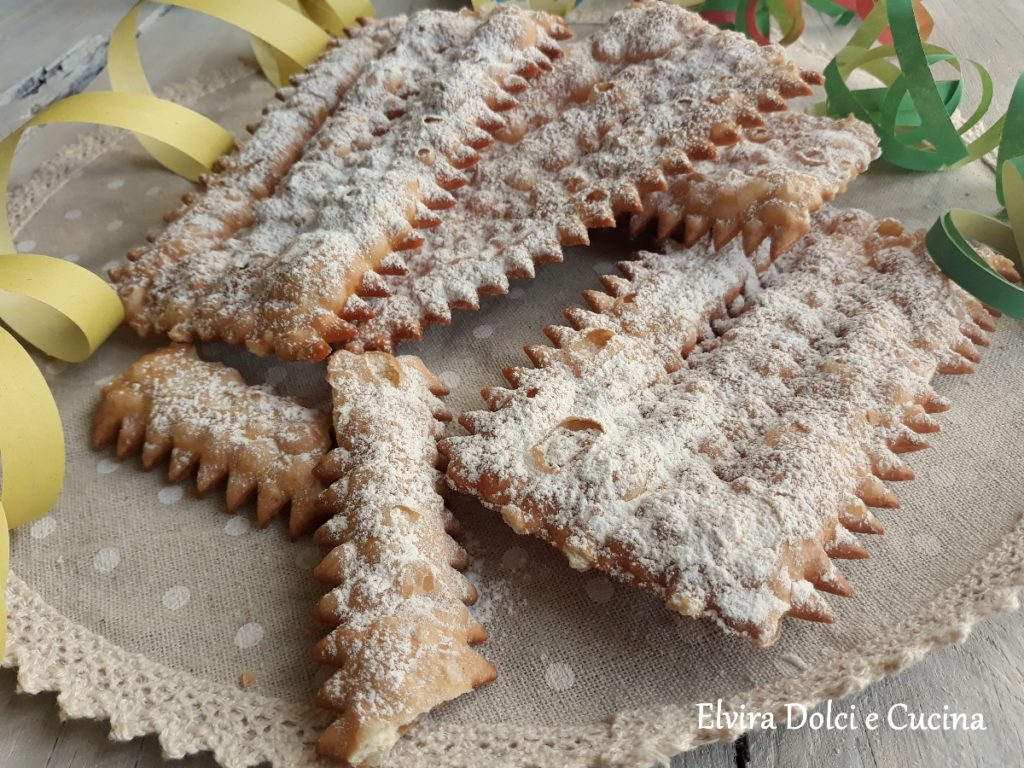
(56, 42)
(985, 674)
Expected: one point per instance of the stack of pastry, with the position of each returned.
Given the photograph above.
(715, 427)
(471, 148)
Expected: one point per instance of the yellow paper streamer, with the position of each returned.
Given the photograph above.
(275, 65)
(335, 16)
(284, 41)
(296, 41)
(61, 308)
(332, 16)
(287, 35)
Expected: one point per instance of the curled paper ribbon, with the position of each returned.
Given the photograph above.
(912, 114)
(60, 308)
(285, 41)
(287, 35)
(842, 11)
(753, 17)
(950, 238)
(332, 16)
(846, 10)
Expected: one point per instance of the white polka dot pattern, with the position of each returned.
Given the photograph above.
(107, 466)
(451, 379)
(559, 676)
(308, 558)
(106, 560)
(237, 526)
(43, 527)
(176, 598)
(249, 635)
(171, 494)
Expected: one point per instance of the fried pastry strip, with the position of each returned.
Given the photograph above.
(402, 631)
(765, 186)
(369, 181)
(613, 128)
(727, 485)
(670, 306)
(251, 173)
(214, 424)
(753, 181)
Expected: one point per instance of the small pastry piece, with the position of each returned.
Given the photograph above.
(727, 485)
(215, 425)
(369, 182)
(402, 631)
(614, 129)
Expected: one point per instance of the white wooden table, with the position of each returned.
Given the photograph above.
(48, 50)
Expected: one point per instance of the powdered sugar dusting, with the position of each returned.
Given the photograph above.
(369, 179)
(725, 485)
(651, 92)
(403, 631)
(253, 171)
(213, 423)
(665, 304)
(765, 186)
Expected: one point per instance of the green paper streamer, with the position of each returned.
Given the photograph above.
(843, 15)
(1013, 137)
(949, 241)
(912, 113)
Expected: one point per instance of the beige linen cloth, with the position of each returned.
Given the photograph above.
(141, 604)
